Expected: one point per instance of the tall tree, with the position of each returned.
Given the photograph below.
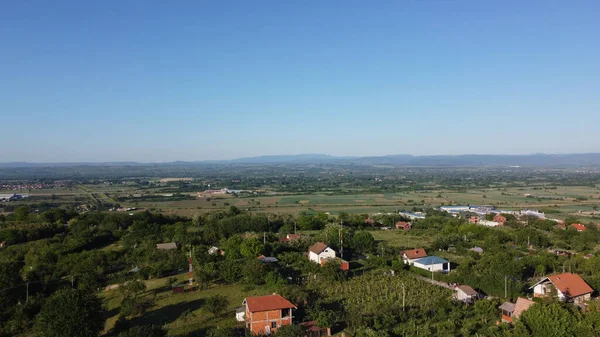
(70, 312)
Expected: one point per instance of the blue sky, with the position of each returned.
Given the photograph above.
(157, 81)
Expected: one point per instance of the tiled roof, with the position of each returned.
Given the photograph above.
(269, 302)
(429, 260)
(522, 305)
(402, 224)
(318, 247)
(572, 285)
(579, 227)
(415, 253)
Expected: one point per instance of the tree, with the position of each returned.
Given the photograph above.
(547, 320)
(363, 242)
(251, 248)
(70, 312)
(217, 304)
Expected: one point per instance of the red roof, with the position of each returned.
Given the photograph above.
(572, 285)
(579, 227)
(318, 247)
(293, 236)
(269, 302)
(415, 253)
(402, 224)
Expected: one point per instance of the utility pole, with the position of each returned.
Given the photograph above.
(264, 238)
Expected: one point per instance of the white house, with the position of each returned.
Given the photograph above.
(432, 263)
(567, 286)
(319, 251)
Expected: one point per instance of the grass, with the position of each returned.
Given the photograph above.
(169, 307)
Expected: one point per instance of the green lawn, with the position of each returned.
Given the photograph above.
(169, 307)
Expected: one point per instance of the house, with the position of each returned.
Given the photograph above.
(512, 311)
(569, 287)
(3, 244)
(500, 219)
(432, 263)
(319, 251)
(290, 238)
(266, 314)
(408, 256)
(403, 225)
(474, 219)
(465, 294)
(166, 246)
(579, 227)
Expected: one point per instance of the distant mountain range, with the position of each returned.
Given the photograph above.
(466, 160)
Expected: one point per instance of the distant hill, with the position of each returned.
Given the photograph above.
(466, 160)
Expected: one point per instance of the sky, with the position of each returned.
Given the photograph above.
(159, 81)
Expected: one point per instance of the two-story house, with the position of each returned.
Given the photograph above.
(265, 314)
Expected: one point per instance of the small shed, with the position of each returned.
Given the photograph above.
(466, 294)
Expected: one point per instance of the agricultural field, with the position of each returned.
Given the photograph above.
(560, 201)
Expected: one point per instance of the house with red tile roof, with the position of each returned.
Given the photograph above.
(579, 227)
(569, 287)
(500, 219)
(512, 311)
(474, 219)
(408, 256)
(266, 314)
(403, 225)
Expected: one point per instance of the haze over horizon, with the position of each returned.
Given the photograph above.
(191, 81)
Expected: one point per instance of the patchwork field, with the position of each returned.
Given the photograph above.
(562, 201)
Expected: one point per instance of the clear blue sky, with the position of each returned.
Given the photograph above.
(159, 81)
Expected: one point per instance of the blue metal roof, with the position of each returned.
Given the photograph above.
(429, 260)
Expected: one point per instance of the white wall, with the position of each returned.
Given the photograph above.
(432, 267)
(328, 253)
(313, 257)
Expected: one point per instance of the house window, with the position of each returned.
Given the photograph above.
(285, 313)
(273, 325)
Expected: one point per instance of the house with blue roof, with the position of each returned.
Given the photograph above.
(432, 263)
